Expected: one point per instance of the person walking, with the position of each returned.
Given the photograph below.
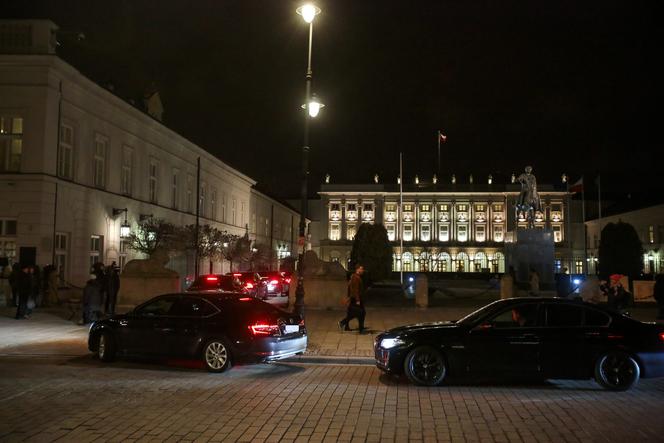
(355, 307)
(23, 289)
(658, 293)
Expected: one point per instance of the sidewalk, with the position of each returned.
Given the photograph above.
(47, 333)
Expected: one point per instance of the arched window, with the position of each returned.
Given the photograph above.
(444, 262)
(461, 262)
(407, 261)
(425, 262)
(480, 262)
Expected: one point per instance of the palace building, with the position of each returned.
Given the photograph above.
(446, 227)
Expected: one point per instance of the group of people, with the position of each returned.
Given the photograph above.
(101, 293)
(32, 287)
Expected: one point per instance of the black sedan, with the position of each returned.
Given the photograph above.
(217, 328)
(528, 338)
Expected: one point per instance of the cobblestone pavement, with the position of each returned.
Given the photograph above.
(80, 399)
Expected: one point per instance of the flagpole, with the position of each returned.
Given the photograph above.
(400, 216)
(438, 138)
(585, 232)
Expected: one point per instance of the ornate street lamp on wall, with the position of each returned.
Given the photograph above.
(312, 106)
(125, 227)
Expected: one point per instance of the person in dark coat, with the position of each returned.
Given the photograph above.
(562, 284)
(24, 289)
(13, 282)
(355, 308)
(99, 271)
(658, 293)
(112, 288)
(92, 301)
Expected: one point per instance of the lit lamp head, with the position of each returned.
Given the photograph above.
(125, 229)
(313, 107)
(308, 12)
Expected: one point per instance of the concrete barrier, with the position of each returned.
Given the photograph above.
(320, 291)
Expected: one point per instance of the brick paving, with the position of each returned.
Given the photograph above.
(79, 399)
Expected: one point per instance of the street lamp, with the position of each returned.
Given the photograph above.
(308, 12)
(125, 227)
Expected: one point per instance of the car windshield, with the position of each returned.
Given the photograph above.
(476, 315)
(225, 283)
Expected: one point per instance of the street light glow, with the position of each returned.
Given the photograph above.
(313, 107)
(308, 12)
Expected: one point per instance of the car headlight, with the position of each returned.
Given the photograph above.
(389, 343)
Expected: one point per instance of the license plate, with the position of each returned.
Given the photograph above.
(292, 328)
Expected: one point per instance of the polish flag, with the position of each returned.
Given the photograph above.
(577, 186)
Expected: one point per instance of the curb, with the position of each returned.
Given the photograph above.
(330, 360)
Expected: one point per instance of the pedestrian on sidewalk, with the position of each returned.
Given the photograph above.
(24, 290)
(658, 293)
(355, 308)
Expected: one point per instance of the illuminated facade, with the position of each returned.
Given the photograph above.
(445, 228)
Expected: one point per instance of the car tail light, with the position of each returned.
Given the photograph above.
(274, 282)
(264, 329)
(211, 278)
(245, 299)
(249, 285)
(237, 275)
(661, 336)
(301, 322)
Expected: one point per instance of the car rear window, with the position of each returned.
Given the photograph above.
(225, 283)
(564, 315)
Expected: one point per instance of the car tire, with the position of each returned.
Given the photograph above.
(217, 355)
(425, 366)
(617, 371)
(106, 347)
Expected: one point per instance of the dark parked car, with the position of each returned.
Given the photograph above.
(527, 337)
(217, 328)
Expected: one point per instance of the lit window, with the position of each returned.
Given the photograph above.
(498, 233)
(96, 249)
(557, 234)
(335, 231)
(408, 233)
(350, 232)
(425, 232)
(391, 232)
(443, 233)
(480, 233)
(11, 143)
(462, 233)
(651, 234)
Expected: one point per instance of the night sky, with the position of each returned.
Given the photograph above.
(567, 86)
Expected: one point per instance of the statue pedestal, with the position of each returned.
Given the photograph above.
(533, 249)
(143, 279)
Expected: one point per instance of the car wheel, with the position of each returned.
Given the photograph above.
(425, 366)
(106, 348)
(617, 371)
(217, 356)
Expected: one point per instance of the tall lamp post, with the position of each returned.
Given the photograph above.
(312, 106)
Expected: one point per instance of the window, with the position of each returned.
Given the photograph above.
(578, 266)
(191, 307)
(498, 233)
(390, 207)
(443, 208)
(367, 211)
(99, 161)
(480, 233)
(66, 154)
(408, 208)
(462, 233)
(480, 208)
(61, 247)
(462, 208)
(497, 207)
(425, 208)
(350, 231)
(564, 315)
(8, 239)
(202, 200)
(161, 306)
(596, 318)
(190, 194)
(11, 143)
(518, 316)
(425, 232)
(127, 169)
(234, 212)
(391, 232)
(408, 233)
(651, 234)
(335, 231)
(174, 189)
(351, 211)
(443, 233)
(243, 217)
(557, 233)
(334, 207)
(224, 201)
(154, 181)
(213, 204)
(96, 248)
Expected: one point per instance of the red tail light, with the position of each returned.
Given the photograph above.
(245, 299)
(237, 275)
(661, 336)
(211, 278)
(301, 322)
(264, 329)
(249, 285)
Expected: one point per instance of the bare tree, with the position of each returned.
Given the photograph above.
(152, 235)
